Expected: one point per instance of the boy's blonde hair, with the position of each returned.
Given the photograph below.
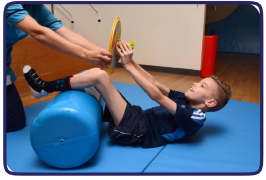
(222, 95)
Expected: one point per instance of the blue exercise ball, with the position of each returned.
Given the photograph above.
(66, 133)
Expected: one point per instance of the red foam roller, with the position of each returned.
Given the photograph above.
(209, 54)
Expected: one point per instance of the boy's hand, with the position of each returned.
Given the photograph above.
(117, 57)
(126, 53)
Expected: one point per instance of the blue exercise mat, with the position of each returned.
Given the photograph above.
(228, 142)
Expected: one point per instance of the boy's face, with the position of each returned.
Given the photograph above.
(202, 91)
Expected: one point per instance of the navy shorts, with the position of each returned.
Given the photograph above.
(132, 128)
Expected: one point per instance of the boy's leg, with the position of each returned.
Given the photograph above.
(93, 77)
(100, 79)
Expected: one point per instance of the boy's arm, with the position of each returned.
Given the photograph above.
(165, 90)
(155, 94)
(153, 91)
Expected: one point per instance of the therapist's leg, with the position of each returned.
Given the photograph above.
(16, 119)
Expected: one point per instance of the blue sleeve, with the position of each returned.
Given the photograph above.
(47, 19)
(15, 14)
(190, 120)
(173, 94)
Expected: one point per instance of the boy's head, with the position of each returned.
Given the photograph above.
(210, 92)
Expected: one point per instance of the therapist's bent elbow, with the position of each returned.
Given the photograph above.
(38, 34)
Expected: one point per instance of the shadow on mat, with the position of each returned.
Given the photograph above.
(39, 163)
(205, 131)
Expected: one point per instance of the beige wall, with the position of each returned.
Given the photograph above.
(164, 35)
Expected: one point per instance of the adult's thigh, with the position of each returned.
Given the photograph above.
(16, 119)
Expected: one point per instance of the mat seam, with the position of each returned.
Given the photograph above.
(153, 159)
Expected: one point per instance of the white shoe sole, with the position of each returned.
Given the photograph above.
(26, 69)
(38, 95)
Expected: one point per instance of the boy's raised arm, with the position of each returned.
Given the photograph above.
(154, 93)
(165, 90)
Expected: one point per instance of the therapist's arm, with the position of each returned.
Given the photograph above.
(77, 39)
(57, 42)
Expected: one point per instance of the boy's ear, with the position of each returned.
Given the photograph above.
(211, 103)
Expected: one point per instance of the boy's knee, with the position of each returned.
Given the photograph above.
(101, 76)
(97, 69)
(92, 71)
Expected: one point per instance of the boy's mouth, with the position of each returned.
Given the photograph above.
(191, 89)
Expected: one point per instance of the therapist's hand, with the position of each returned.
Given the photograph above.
(100, 58)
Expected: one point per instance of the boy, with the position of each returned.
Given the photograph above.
(179, 116)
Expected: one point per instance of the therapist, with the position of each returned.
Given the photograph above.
(38, 22)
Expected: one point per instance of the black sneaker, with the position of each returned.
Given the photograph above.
(35, 83)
